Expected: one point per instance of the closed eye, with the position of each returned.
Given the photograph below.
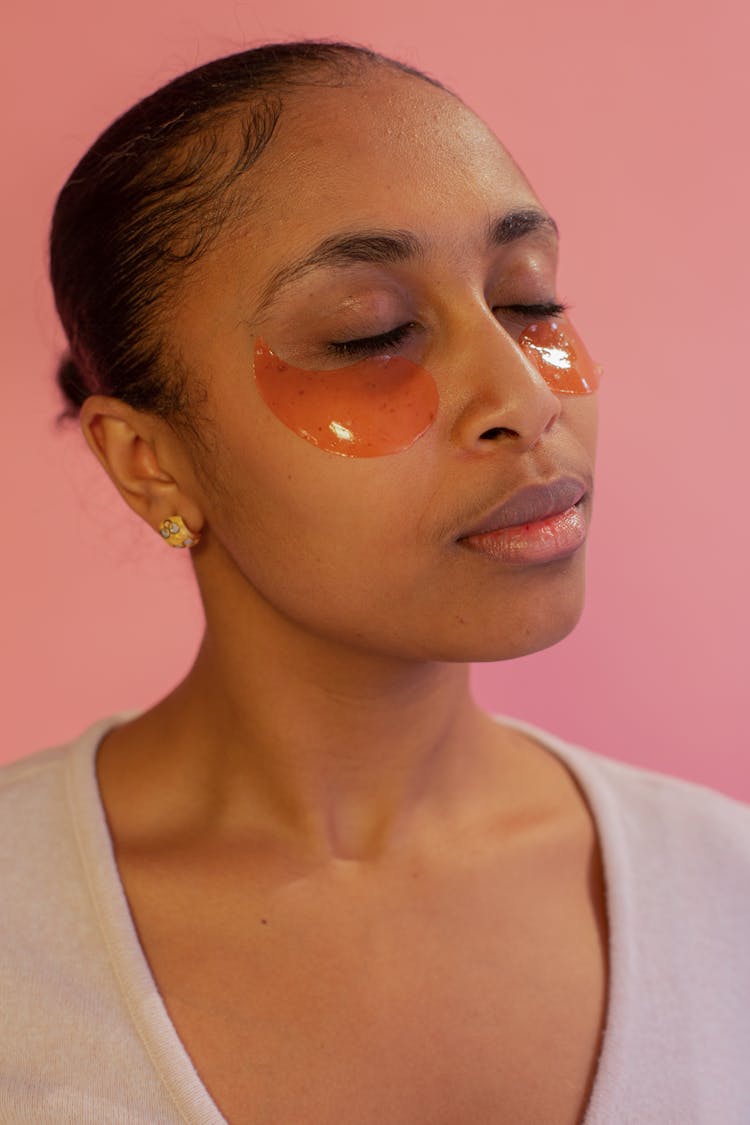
(551, 308)
(370, 344)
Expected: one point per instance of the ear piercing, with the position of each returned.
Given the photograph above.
(176, 533)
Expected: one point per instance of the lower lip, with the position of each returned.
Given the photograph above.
(542, 541)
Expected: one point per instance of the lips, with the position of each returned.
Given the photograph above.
(529, 504)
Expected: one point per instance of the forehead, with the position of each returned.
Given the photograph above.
(390, 150)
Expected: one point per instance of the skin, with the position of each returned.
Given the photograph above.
(326, 726)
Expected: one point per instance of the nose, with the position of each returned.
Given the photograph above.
(499, 395)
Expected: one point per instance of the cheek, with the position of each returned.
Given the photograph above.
(368, 409)
(320, 539)
(581, 416)
(284, 500)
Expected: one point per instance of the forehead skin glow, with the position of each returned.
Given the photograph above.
(379, 172)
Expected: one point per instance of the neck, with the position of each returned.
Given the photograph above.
(331, 745)
(340, 751)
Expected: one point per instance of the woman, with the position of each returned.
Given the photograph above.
(315, 340)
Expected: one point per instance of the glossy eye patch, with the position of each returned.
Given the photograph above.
(560, 356)
(378, 406)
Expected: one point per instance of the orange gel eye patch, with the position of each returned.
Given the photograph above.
(368, 409)
(560, 356)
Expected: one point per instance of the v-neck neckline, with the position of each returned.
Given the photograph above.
(138, 987)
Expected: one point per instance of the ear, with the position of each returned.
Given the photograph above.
(141, 456)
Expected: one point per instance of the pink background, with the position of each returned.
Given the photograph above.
(630, 118)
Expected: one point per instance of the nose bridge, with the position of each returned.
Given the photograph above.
(498, 392)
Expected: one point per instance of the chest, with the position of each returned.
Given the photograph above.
(477, 997)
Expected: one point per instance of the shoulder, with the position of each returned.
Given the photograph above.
(51, 840)
(677, 870)
(73, 1050)
(41, 798)
(661, 824)
(642, 790)
(41, 774)
(653, 806)
(19, 773)
(32, 804)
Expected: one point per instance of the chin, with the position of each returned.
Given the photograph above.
(541, 612)
(535, 640)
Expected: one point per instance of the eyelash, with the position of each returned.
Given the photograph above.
(372, 344)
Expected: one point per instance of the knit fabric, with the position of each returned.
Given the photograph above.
(86, 1038)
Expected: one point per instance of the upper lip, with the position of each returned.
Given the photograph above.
(533, 502)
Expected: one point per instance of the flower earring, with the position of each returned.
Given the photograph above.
(174, 530)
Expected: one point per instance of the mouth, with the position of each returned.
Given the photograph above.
(540, 523)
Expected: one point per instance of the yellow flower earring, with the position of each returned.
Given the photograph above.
(174, 530)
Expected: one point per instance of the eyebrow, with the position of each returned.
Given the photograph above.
(389, 246)
(515, 224)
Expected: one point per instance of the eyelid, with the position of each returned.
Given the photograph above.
(545, 308)
(372, 343)
(396, 335)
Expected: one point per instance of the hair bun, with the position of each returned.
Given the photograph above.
(72, 384)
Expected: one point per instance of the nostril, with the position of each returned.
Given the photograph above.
(495, 432)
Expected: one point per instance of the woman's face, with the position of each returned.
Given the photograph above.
(369, 550)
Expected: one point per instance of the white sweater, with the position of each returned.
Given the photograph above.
(86, 1039)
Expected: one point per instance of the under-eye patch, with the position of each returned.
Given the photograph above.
(377, 406)
(382, 404)
(560, 356)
